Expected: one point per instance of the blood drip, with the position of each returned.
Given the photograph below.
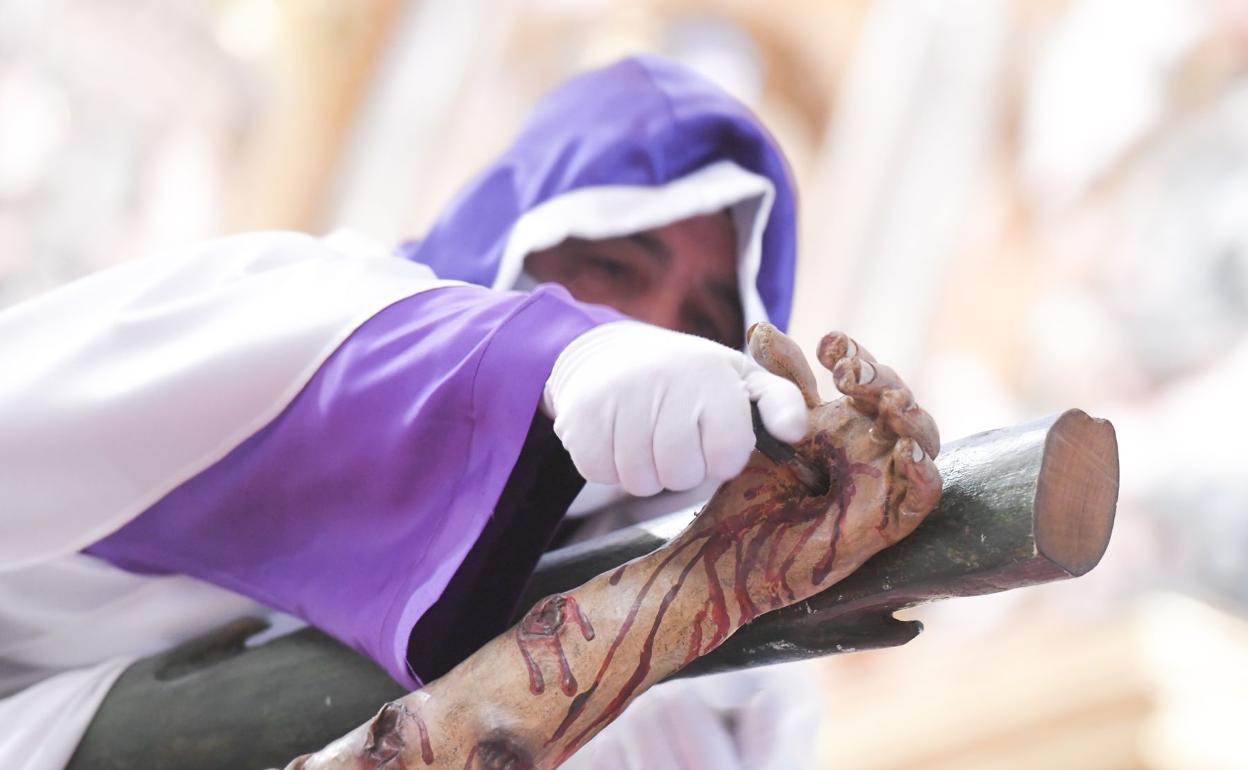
(426, 750)
(541, 628)
(746, 533)
(386, 739)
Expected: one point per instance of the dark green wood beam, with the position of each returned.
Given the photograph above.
(1022, 505)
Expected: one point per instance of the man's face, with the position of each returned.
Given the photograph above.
(682, 276)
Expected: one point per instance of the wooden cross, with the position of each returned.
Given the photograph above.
(1021, 506)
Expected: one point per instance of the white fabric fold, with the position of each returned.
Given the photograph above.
(118, 387)
(44, 723)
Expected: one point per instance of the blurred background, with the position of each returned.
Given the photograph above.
(1024, 206)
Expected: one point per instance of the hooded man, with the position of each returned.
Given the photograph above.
(377, 445)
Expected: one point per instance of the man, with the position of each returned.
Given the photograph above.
(666, 165)
(344, 436)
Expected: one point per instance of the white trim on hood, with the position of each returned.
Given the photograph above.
(611, 211)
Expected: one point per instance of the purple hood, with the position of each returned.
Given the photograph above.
(643, 121)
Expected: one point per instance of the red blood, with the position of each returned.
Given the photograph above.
(386, 734)
(718, 605)
(426, 750)
(746, 533)
(615, 644)
(541, 627)
(695, 639)
(616, 705)
(841, 474)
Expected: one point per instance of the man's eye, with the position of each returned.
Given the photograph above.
(703, 326)
(608, 267)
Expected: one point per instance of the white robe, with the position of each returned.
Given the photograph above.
(165, 341)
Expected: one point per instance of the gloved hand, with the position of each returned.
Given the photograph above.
(648, 408)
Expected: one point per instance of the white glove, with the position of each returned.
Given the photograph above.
(648, 408)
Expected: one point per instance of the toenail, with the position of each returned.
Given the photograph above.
(851, 349)
(866, 372)
(916, 451)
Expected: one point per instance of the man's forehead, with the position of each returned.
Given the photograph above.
(653, 245)
(708, 241)
(707, 238)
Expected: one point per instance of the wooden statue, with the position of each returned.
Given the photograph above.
(534, 695)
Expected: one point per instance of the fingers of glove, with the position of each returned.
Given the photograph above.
(678, 456)
(906, 419)
(776, 352)
(590, 441)
(634, 449)
(780, 403)
(727, 431)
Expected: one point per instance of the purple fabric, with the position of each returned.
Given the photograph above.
(481, 600)
(354, 508)
(363, 507)
(642, 121)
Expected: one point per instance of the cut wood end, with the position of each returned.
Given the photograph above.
(1077, 491)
